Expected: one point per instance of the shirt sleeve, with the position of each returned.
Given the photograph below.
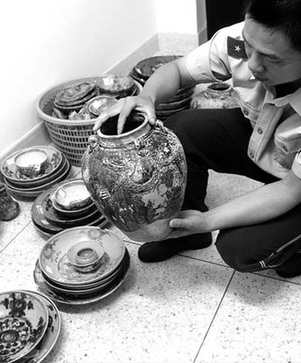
(210, 61)
(296, 167)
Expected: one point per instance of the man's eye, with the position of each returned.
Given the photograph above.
(272, 59)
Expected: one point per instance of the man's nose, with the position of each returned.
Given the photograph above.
(255, 63)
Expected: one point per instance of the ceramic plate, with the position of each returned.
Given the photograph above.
(51, 215)
(75, 92)
(85, 289)
(19, 193)
(89, 287)
(74, 105)
(48, 229)
(36, 185)
(38, 213)
(23, 323)
(11, 172)
(52, 333)
(86, 299)
(185, 102)
(55, 265)
(141, 81)
(167, 113)
(182, 94)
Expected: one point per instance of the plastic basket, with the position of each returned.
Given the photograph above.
(69, 136)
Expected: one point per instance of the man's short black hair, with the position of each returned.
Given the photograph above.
(281, 15)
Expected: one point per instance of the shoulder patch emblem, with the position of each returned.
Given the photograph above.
(236, 48)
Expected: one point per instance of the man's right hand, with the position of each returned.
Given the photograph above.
(124, 107)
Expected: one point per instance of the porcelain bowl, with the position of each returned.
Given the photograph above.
(72, 195)
(23, 323)
(99, 104)
(31, 162)
(73, 213)
(117, 86)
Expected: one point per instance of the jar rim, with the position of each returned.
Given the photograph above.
(138, 131)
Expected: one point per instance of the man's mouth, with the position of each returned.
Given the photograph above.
(261, 79)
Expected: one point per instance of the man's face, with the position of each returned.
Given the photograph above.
(271, 58)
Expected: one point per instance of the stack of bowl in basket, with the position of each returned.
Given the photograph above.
(30, 325)
(30, 171)
(81, 265)
(181, 101)
(74, 101)
(65, 205)
(69, 109)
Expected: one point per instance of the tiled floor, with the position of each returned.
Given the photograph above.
(191, 308)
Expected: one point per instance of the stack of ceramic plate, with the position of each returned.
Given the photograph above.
(81, 265)
(146, 67)
(65, 205)
(30, 325)
(27, 174)
(73, 98)
(181, 101)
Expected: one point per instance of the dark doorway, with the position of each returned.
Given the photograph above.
(221, 13)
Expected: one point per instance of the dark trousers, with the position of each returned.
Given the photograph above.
(217, 139)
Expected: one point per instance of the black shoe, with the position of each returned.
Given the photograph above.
(163, 250)
(290, 268)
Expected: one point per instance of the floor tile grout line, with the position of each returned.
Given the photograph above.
(202, 260)
(15, 237)
(253, 273)
(277, 278)
(214, 316)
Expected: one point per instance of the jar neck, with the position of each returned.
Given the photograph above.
(128, 137)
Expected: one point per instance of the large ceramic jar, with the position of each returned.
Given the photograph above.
(137, 179)
(216, 95)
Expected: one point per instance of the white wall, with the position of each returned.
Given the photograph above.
(46, 42)
(177, 16)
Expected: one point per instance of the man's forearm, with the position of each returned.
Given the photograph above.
(163, 84)
(265, 203)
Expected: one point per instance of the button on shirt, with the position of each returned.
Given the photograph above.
(276, 139)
